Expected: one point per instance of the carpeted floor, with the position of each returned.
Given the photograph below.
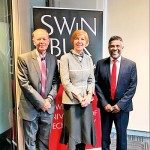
(134, 143)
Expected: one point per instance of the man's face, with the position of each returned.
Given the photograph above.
(115, 48)
(41, 41)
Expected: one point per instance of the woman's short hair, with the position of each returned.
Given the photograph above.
(80, 32)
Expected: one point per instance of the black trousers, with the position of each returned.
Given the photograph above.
(120, 120)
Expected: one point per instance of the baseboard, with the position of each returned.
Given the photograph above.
(135, 133)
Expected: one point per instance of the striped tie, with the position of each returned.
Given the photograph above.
(43, 68)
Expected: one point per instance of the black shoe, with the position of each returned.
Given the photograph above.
(80, 146)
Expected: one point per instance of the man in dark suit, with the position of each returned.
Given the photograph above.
(39, 88)
(115, 102)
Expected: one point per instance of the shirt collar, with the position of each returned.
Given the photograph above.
(75, 53)
(118, 59)
(39, 55)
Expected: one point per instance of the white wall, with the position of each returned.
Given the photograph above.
(130, 19)
(84, 4)
(127, 18)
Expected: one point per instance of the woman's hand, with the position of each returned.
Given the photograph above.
(80, 98)
(87, 101)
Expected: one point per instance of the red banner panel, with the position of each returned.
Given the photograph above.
(58, 124)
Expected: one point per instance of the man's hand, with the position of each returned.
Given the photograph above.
(116, 109)
(47, 105)
(108, 108)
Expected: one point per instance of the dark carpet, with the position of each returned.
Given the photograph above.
(134, 143)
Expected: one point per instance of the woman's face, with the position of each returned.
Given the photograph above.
(79, 43)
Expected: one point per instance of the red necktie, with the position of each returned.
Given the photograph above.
(43, 68)
(113, 79)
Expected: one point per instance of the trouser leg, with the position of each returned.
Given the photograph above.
(106, 122)
(45, 125)
(30, 130)
(121, 123)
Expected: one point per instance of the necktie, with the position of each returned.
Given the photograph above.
(43, 68)
(113, 79)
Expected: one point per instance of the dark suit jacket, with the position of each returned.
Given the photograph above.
(29, 77)
(126, 85)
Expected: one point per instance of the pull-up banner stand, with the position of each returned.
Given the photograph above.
(61, 23)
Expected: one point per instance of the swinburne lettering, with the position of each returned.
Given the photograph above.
(75, 24)
(58, 46)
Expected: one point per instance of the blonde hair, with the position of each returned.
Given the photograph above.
(79, 32)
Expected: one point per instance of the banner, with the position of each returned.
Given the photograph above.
(61, 23)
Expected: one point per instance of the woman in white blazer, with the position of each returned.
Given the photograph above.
(77, 76)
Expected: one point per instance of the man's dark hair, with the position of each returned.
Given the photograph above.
(115, 37)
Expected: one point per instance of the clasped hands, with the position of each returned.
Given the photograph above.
(113, 109)
(47, 104)
(85, 101)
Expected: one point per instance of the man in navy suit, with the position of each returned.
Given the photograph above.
(115, 109)
(37, 102)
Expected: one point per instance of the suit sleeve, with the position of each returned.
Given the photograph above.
(126, 100)
(98, 90)
(29, 92)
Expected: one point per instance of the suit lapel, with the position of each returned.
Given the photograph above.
(36, 63)
(48, 69)
(48, 62)
(121, 73)
(108, 68)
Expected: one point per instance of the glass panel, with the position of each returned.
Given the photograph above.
(7, 138)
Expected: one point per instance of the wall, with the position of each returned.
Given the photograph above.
(84, 4)
(127, 18)
(130, 19)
